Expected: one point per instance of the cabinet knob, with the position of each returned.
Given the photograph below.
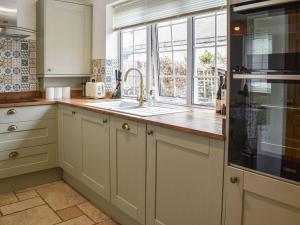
(13, 155)
(126, 126)
(105, 121)
(49, 70)
(150, 132)
(73, 113)
(11, 112)
(234, 180)
(12, 128)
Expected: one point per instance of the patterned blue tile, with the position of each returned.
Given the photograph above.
(24, 46)
(15, 63)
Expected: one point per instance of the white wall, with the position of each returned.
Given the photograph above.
(105, 40)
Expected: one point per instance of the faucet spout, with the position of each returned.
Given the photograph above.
(141, 97)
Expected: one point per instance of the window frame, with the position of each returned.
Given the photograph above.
(152, 61)
(120, 37)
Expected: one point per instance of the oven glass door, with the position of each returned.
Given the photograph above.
(264, 133)
(266, 40)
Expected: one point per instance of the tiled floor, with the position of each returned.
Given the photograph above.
(49, 204)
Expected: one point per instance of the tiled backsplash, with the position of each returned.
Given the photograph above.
(104, 69)
(18, 65)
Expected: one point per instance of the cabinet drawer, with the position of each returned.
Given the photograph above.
(27, 134)
(26, 160)
(17, 114)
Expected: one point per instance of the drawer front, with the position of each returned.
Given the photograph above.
(26, 160)
(18, 114)
(27, 134)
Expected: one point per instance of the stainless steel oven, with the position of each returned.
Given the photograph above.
(264, 115)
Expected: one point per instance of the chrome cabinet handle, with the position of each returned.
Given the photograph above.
(13, 155)
(150, 132)
(125, 126)
(12, 128)
(234, 180)
(104, 120)
(11, 112)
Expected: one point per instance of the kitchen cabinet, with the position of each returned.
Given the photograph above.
(94, 144)
(84, 147)
(64, 38)
(28, 139)
(128, 167)
(253, 199)
(184, 178)
(69, 146)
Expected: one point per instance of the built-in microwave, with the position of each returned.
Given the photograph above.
(264, 114)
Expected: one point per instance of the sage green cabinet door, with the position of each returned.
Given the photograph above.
(253, 199)
(184, 178)
(69, 155)
(94, 139)
(128, 167)
(64, 38)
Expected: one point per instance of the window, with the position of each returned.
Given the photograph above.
(210, 56)
(188, 56)
(133, 55)
(172, 53)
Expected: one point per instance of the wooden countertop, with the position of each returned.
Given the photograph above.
(197, 121)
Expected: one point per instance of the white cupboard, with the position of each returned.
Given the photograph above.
(64, 38)
(253, 199)
(184, 178)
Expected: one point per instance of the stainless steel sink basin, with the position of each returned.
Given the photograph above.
(133, 108)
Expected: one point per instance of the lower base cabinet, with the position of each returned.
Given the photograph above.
(128, 167)
(253, 199)
(184, 178)
(156, 176)
(84, 148)
(94, 143)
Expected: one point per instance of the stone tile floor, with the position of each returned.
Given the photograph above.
(48, 204)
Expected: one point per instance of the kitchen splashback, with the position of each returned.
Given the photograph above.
(104, 70)
(18, 65)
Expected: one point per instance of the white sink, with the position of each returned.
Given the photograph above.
(145, 111)
(113, 105)
(133, 108)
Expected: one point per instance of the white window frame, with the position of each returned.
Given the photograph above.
(152, 57)
(148, 59)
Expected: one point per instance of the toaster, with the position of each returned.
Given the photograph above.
(95, 90)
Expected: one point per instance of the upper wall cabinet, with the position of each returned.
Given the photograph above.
(64, 38)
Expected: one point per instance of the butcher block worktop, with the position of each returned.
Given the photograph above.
(197, 121)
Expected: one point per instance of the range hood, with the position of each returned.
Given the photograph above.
(17, 18)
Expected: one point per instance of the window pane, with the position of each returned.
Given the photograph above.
(179, 32)
(140, 41)
(172, 40)
(166, 74)
(210, 56)
(133, 55)
(205, 31)
(127, 42)
(222, 29)
(222, 58)
(180, 66)
(164, 37)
